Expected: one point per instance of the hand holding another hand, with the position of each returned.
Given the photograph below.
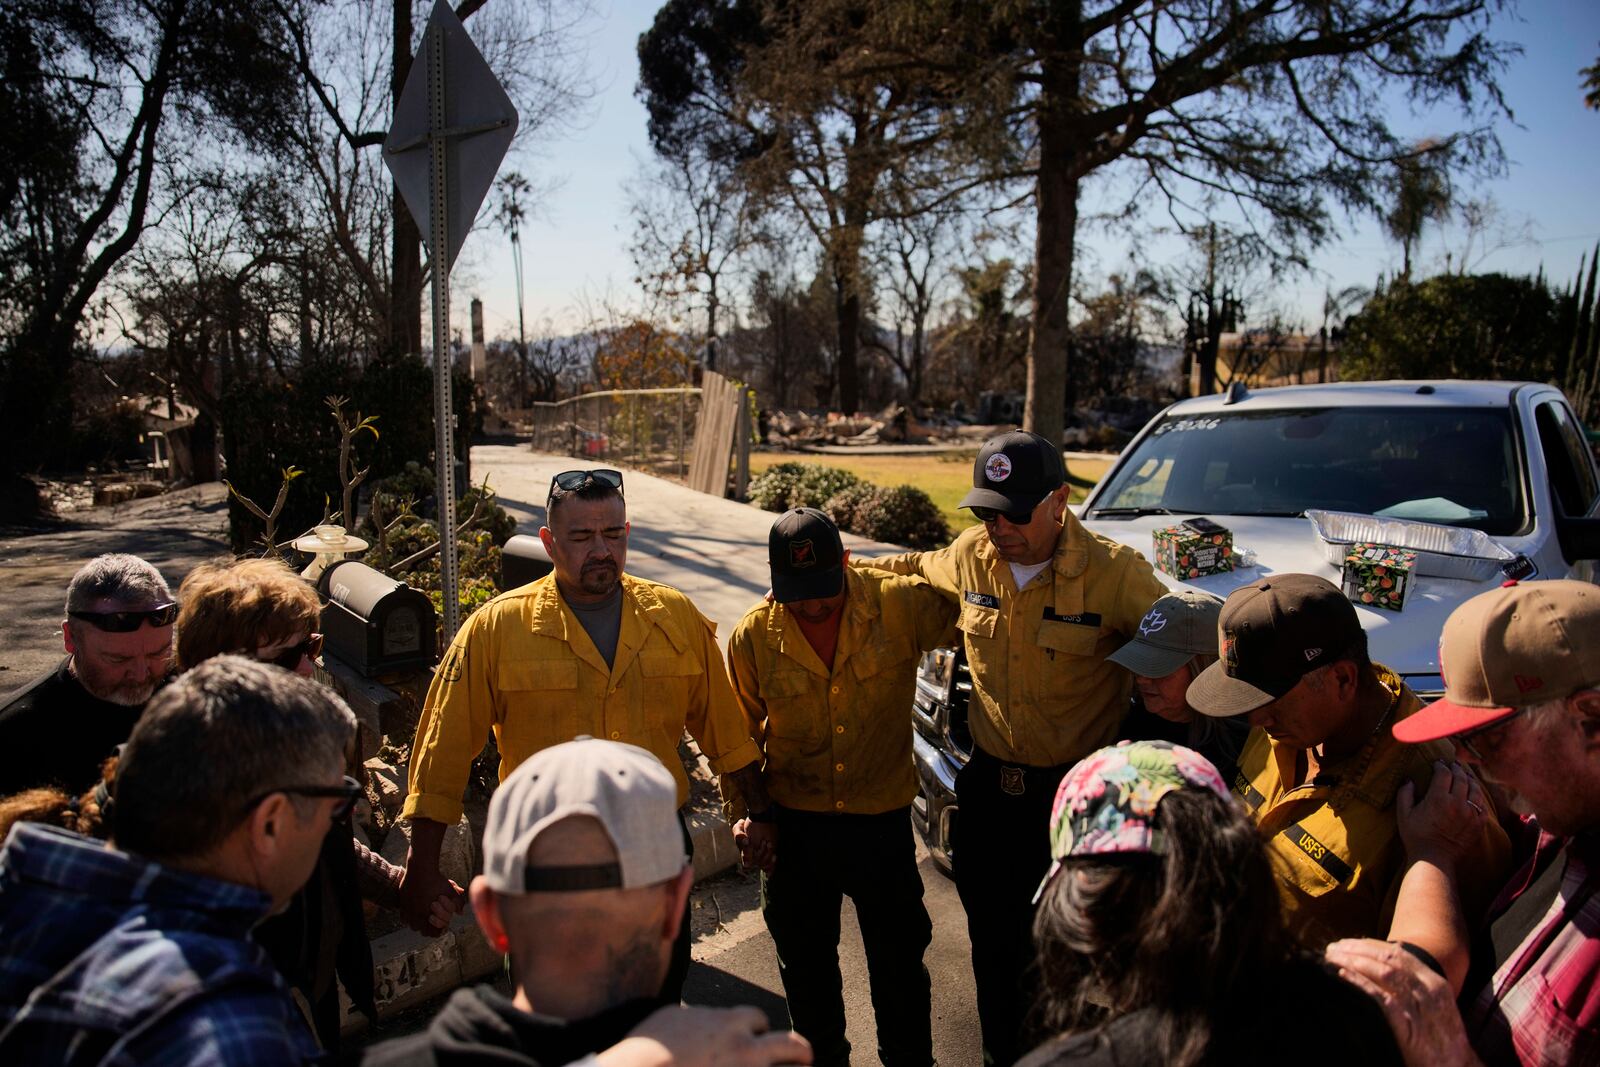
(757, 843)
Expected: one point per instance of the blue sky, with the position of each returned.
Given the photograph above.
(575, 253)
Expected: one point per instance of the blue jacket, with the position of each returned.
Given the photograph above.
(106, 958)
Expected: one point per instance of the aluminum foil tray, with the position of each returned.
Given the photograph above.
(1442, 551)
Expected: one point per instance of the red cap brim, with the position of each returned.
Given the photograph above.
(1444, 719)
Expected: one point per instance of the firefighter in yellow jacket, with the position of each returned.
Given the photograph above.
(586, 650)
(1043, 602)
(1321, 770)
(825, 673)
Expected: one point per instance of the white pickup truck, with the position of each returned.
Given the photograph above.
(1503, 467)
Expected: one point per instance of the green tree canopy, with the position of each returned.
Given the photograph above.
(1457, 326)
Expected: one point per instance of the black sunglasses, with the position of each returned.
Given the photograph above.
(992, 515)
(348, 793)
(125, 622)
(572, 481)
(290, 658)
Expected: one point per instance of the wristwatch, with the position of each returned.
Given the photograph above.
(761, 816)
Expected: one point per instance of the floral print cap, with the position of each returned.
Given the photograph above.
(1107, 803)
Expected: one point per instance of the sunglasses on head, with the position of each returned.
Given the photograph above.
(290, 658)
(992, 515)
(572, 481)
(125, 622)
(348, 792)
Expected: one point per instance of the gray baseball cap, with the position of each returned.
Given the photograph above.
(1177, 628)
(622, 786)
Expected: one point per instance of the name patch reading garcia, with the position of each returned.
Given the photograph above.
(983, 600)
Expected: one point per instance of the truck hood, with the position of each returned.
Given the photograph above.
(1405, 641)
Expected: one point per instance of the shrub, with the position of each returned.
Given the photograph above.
(819, 484)
(798, 485)
(272, 423)
(849, 507)
(770, 490)
(902, 515)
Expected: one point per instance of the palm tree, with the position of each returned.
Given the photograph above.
(1421, 194)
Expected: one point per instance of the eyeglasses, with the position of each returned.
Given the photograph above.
(992, 515)
(572, 481)
(125, 622)
(348, 793)
(1465, 740)
(290, 658)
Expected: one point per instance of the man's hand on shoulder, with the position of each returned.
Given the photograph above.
(1444, 826)
(706, 1037)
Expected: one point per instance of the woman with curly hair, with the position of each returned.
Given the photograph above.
(86, 814)
(1159, 933)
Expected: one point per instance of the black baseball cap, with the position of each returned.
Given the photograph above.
(1015, 471)
(806, 556)
(1272, 634)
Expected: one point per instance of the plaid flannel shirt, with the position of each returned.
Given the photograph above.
(1543, 1004)
(106, 958)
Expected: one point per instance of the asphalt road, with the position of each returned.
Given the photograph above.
(735, 963)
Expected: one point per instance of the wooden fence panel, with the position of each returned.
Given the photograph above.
(718, 424)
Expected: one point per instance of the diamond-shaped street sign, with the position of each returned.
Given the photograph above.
(479, 122)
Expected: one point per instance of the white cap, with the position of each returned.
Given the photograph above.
(623, 787)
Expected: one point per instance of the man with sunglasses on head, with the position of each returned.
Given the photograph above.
(118, 638)
(587, 650)
(1043, 603)
(139, 951)
(1521, 667)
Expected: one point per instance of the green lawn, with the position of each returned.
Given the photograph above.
(944, 476)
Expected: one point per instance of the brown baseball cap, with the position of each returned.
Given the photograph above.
(1273, 633)
(1508, 648)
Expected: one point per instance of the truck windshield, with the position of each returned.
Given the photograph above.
(1455, 466)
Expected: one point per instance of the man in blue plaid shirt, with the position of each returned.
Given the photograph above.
(138, 953)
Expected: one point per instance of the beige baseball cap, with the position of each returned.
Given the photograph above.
(1508, 648)
(624, 787)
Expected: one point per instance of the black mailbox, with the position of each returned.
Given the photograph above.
(375, 623)
(523, 560)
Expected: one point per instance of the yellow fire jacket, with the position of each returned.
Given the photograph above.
(839, 740)
(1334, 843)
(524, 666)
(1044, 693)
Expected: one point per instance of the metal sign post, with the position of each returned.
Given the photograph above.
(444, 409)
(453, 105)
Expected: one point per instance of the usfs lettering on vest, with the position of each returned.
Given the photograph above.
(1312, 847)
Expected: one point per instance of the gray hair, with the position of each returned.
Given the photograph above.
(128, 580)
(228, 731)
(1540, 715)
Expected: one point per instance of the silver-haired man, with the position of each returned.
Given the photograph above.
(117, 632)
